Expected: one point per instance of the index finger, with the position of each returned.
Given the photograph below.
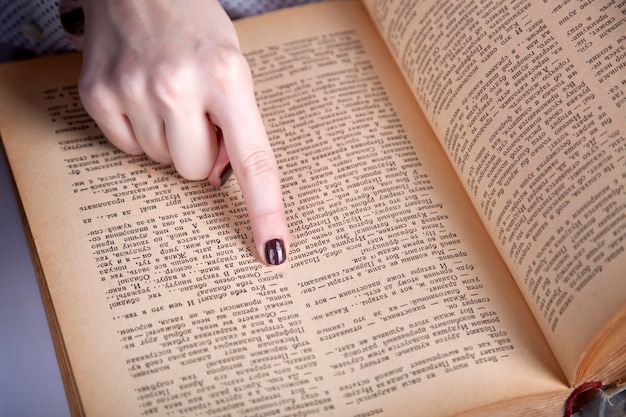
(255, 167)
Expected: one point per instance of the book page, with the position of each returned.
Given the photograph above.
(393, 294)
(528, 100)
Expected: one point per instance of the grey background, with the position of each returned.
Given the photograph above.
(30, 382)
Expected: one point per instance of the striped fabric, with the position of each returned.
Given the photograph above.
(43, 26)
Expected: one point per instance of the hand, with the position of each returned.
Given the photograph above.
(158, 76)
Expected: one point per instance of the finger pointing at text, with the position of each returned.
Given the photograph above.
(168, 79)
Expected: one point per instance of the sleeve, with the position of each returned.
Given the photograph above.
(52, 26)
(242, 8)
(34, 25)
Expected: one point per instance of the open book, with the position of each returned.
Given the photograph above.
(453, 174)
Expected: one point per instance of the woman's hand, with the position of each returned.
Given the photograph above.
(167, 78)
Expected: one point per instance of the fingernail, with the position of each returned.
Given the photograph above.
(228, 169)
(275, 252)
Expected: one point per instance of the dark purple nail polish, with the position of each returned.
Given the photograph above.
(228, 169)
(275, 252)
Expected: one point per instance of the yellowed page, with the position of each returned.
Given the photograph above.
(393, 294)
(528, 100)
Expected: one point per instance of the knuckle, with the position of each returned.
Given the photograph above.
(99, 90)
(171, 82)
(191, 173)
(159, 153)
(229, 66)
(94, 93)
(259, 164)
(130, 85)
